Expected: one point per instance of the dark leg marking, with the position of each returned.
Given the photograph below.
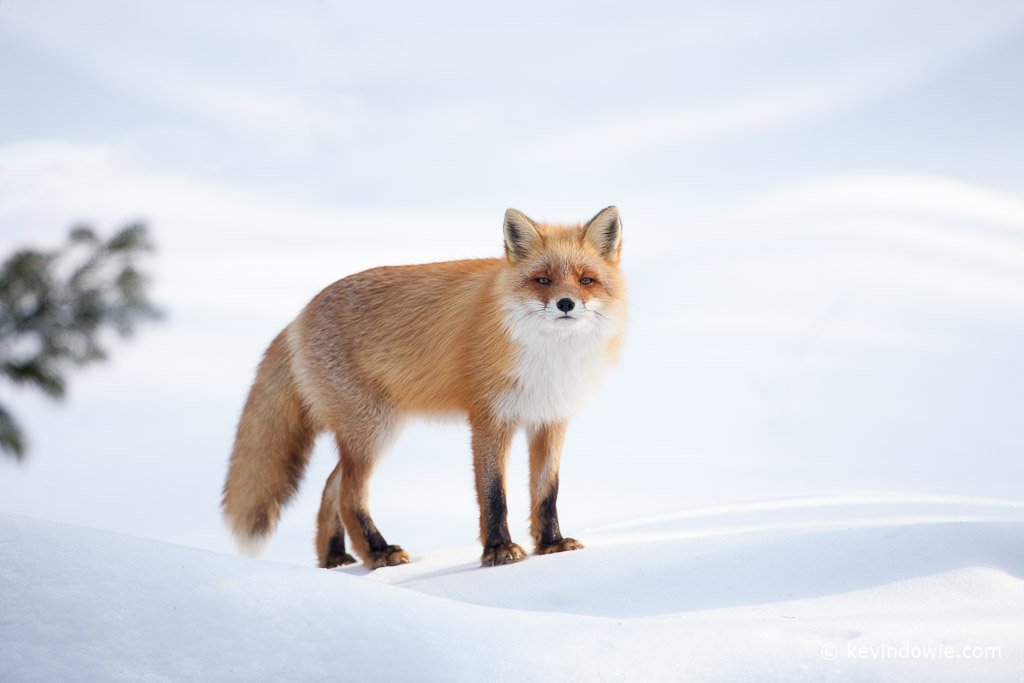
(337, 555)
(498, 548)
(381, 554)
(547, 514)
(497, 514)
(550, 539)
(373, 537)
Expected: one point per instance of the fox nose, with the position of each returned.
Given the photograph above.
(565, 305)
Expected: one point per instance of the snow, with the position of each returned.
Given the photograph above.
(900, 599)
(812, 438)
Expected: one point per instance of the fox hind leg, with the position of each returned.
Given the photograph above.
(330, 533)
(357, 462)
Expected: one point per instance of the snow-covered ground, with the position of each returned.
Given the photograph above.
(722, 594)
(813, 438)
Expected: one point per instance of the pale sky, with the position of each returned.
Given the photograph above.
(824, 230)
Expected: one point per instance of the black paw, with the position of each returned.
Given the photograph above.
(338, 560)
(388, 557)
(559, 546)
(506, 553)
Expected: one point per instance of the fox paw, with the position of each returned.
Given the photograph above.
(338, 560)
(559, 546)
(388, 557)
(507, 553)
(336, 556)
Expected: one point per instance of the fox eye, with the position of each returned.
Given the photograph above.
(586, 280)
(543, 281)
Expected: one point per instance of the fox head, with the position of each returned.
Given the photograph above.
(565, 278)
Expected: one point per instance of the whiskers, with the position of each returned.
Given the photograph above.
(525, 312)
(606, 320)
(532, 317)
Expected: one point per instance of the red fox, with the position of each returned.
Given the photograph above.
(510, 343)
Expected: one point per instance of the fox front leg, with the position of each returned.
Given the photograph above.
(491, 442)
(545, 456)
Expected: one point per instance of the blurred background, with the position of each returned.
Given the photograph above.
(824, 235)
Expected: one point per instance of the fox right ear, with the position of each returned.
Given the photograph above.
(521, 236)
(604, 231)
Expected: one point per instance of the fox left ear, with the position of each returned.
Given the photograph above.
(604, 232)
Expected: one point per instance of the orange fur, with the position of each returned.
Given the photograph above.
(478, 338)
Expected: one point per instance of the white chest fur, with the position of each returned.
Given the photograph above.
(556, 367)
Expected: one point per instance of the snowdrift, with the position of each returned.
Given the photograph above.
(900, 599)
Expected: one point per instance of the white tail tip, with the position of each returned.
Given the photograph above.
(252, 546)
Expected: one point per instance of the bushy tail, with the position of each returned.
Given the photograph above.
(272, 448)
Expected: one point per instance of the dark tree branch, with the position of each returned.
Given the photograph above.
(55, 306)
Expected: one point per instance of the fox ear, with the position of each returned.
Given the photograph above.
(604, 233)
(521, 237)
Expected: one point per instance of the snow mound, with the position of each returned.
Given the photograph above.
(897, 600)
